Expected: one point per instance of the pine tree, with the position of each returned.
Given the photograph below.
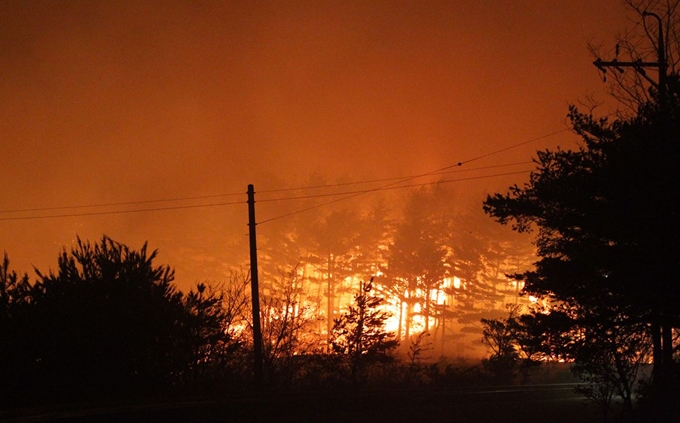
(359, 334)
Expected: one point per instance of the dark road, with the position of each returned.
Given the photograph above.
(536, 403)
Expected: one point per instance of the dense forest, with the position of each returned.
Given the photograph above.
(435, 271)
(110, 322)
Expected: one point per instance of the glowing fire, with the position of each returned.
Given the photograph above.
(446, 329)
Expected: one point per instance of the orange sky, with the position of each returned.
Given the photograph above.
(107, 102)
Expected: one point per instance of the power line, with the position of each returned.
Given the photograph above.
(442, 171)
(386, 188)
(357, 193)
(102, 213)
(353, 194)
(517, 145)
(349, 194)
(203, 197)
(129, 203)
(398, 180)
(436, 172)
(124, 203)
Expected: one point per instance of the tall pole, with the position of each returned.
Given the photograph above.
(661, 59)
(662, 336)
(254, 286)
(666, 355)
(639, 66)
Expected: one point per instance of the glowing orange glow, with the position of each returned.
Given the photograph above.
(442, 296)
(147, 123)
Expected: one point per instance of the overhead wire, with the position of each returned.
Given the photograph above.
(395, 178)
(179, 207)
(388, 188)
(202, 197)
(395, 183)
(355, 194)
(101, 213)
(128, 203)
(352, 195)
(123, 203)
(517, 145)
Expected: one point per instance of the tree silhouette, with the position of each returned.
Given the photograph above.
(359, 334)
(607, 359)
(482, 254)
(417, 256)
(334, 240)
(500, 335)
(17, 368)
(287, 328)
(110, 322)
(607, 230)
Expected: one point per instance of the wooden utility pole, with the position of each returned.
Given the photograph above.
(662, 330)
(639, 66)
(255, 291)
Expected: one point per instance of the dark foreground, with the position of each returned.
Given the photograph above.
(538, 403)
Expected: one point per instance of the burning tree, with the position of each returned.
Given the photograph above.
(333, 240)
(482, 254)
(416, 262)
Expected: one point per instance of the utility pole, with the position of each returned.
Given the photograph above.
(255, 291)
(639, 66)
(662, 335)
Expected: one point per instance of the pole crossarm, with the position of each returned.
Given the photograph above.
(635, 63)
(661, 64)
(638, 65)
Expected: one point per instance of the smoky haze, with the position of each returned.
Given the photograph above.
(116, 102)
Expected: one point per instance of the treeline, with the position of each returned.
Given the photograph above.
(110, 324)
(440, 262)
